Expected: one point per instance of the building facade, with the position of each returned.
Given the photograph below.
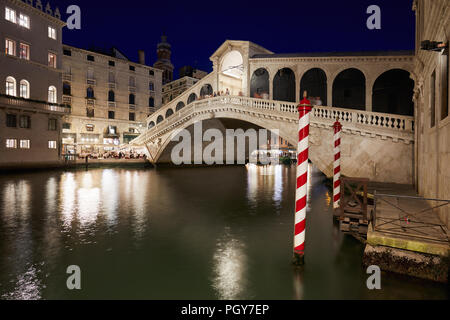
(431, 100)
(110, 98)
(173, 89)
(30, 96)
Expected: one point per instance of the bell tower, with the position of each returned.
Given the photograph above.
(164, 52)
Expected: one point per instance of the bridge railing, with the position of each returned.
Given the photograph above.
(397, 123)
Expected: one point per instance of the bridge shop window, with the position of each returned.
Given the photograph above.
(314, 81)
(259, 87)
(349, 90)
(393, 92)
(284, 85)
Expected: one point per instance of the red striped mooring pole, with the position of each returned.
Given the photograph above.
(337, 164)
(304, 108)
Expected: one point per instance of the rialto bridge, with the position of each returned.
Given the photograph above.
(371, 95)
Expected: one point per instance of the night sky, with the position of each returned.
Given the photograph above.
(195, 29)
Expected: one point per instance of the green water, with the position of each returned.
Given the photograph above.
(197, 233)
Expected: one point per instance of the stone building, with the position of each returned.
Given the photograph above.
(163, 63)
(189, 71)
(431, 100)
(110, 97)
(173, 89)
(30, 94)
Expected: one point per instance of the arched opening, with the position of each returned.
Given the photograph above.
(206, 90)
(169, 113)
(111, 96)
(10, 86)
(393, 92)
(24, 89)
(259, 86)
(314, 81)
(192, 98)
(349, 90)
(67, 89)
(151, 124)
(90, 93)
(52, 98)
(231, 73)
(180, 105)
(284, 85)
(159, 119)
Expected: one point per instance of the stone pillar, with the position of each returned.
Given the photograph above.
(297, 86)
(330, 92)
(270, 86)
(369, 87)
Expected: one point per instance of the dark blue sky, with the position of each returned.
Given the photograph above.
(196, 29)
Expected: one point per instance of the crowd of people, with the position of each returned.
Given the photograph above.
(218, 94)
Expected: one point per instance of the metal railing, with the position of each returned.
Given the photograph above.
(410, 216)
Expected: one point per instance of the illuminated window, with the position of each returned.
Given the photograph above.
(24, 90)
(10, 47)
(52, 145)
(52, 33)
(24, 21)
(10, 15)
(24, 144)
(11, 143)
(11, 86)
(52, 94)
(51, 60)
(24, 51)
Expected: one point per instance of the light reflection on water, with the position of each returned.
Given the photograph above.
(230, 263)
(209, 233)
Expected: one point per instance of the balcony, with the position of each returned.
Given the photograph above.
(67, 99)
(90, 102)
(132, 89)
(111, 104)
(67, 77)
(132, 107)
(91, 82)
(10, 101)
(111, 85)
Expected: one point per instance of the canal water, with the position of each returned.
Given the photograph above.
(180, 233)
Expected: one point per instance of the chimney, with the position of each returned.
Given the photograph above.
(141, 56)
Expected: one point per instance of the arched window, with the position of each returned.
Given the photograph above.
(52, 94)
(151, 102)
(11, 86)
(111, 96)
(192, 98)
(284, 85)
(169, 113)
(259, 86)
(132, 99)
(314, 82)
(393, 92)
(24, 89)
(206, 90)
(349, 89)
(67, 89)
(151, 125)
(180, 105)
(90, 93)
(159, 119)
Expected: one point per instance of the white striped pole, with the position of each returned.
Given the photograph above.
(304, 109)
(337, 165)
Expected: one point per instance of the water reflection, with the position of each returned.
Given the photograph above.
(230, 263)
(27, 286)
(110, 196)
(265, 179)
